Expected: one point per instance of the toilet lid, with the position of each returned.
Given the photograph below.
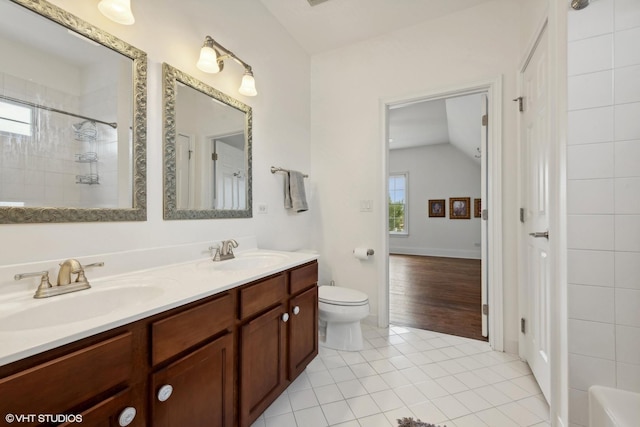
(341, 296)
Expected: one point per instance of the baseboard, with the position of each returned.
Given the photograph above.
(446, 253)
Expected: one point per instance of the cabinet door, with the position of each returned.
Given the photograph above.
(262, 363)
(196, 390)
(123, 409)
(303, 331)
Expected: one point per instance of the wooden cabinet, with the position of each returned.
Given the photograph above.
(262, 362)
(217, 362)
(278, 336)
(303, 331)
(197, 389)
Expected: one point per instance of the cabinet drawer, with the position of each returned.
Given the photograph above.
(255, 298)
(303, 278)
(177, 333)
(63, 383)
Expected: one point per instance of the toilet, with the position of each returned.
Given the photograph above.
(341, 310)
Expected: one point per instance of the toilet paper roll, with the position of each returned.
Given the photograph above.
(361, 253)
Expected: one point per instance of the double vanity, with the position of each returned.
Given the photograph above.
(199, 343)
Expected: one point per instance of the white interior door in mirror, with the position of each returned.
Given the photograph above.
(230, 176)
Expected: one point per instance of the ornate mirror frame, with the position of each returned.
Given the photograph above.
(170, 78)
(14, 215)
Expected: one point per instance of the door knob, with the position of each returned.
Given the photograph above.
(296, 310)
(544, 234)
(165, 392)
(285, 317)
(126, 416)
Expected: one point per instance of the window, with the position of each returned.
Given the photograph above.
(398, 203)
(15, 119)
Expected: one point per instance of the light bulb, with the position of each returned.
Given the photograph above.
(117, 10)
(248, 85)
(208, 61)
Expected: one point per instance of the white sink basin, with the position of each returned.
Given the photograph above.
(243, 262)
(78, 306)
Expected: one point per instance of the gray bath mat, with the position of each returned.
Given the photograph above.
(410, 422)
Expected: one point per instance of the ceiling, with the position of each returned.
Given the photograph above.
(336, 23)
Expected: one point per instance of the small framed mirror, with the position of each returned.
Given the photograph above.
(207, 150)
(72, 119)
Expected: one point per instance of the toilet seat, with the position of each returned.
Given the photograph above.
(336, 295)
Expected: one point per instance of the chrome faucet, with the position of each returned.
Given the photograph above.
(225, 250)
(64, 284)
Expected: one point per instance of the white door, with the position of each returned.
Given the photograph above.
(535, 151)
(230, 177)
(184, 172)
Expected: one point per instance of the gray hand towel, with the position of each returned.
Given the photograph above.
(294, 193)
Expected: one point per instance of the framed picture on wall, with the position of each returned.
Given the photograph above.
(437, 208)
(477, 208)
(459, 208)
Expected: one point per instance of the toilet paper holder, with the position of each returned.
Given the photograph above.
(369, 252)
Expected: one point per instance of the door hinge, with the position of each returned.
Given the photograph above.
(523, 324)
(485, 120)
(485, 214)
(485, 309)
(522, 215)
(520, 101)
(214, 156)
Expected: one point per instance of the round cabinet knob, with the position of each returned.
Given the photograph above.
(285, 317)
(296, 310)
(165, 392)
(126, 416)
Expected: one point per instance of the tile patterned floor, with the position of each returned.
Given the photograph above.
(405, 372)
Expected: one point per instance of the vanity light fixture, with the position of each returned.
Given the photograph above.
(117, 10)
(212, 56)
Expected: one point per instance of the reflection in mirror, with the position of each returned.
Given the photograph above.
(207, 151)
(72, 119)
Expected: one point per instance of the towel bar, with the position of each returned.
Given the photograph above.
(277, 169)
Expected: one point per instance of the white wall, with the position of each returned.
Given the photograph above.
(281, 131)
(437, 172)
(347, 143)
(604, 213)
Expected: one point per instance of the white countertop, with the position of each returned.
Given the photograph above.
(30, 326)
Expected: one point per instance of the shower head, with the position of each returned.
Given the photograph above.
(579, 4)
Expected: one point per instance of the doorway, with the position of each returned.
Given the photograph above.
(491, 238)
(435, 234)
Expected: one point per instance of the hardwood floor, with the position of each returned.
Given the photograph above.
(437, 294)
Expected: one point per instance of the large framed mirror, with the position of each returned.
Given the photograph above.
(73, 108)
(207, 150)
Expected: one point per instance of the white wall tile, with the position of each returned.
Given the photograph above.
(590, 196)
(590, 161)
(627, 191)
(628, 344)
(626, 47)
(628, 376)
(592, 339)
(594, 20)
(591, 90)
(593, 303)
(627, 14)
(627, 229)
(627, 270)
(590, 55)
(627, 84)
(627, 158)
(590, 232)
(627, 307)
(585, 371)
(626, 123)
(591, 267)
(590, 125)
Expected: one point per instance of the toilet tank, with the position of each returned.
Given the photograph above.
(612, 407)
